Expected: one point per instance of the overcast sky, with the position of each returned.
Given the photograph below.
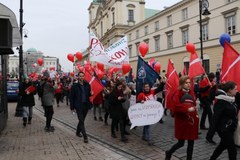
(59, 27)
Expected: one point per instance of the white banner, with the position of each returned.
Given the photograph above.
(147, 113)
(114, 56)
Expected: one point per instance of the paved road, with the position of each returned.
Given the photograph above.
(33, 143)
(163, 137)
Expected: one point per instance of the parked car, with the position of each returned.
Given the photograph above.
(12, 90)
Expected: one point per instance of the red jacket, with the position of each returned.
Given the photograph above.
(146, 96)
(186, 123)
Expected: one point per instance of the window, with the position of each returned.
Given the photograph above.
(184, 14)
(146, 41)
(205, 64)
(157, 43)
(205, 32)
(137, 33)
(113, 19)
(101, 29)
(130, 15)
(137, 44)
(170, 40)
(231, 24)
(130, 37)
(157, 26)
(130, 50)
(184, 36)
(146, 30)
(169, 20)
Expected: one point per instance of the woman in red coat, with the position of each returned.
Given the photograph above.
(186, 118)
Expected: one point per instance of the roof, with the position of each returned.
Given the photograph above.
(150, 12)
(32, 50)
(6, 13)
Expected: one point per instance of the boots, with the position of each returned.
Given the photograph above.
(24, 121)
(29, 120)
(168, 155)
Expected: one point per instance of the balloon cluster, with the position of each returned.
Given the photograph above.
(155, 65)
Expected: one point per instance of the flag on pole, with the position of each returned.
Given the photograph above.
(95, 84)
(230, 65)
(195, 67)
(145, 74)
(172, 84)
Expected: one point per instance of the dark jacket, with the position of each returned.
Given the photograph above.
(26, 99)
(225, 113)
(115, 106)
(76, 95)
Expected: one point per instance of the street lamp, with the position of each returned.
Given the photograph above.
(203, 10)
(19, 109)
(21, 47)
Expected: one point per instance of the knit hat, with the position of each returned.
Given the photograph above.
(187, 98)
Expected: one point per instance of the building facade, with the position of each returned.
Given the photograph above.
(30, 62)
(168, 31)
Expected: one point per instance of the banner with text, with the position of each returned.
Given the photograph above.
(113, 56)
(147, 113)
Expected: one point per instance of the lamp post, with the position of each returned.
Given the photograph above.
(21, 47)
(203, 4)
(19, 109)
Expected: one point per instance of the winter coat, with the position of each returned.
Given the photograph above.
(225, 114)
(186, 123)
(48, 93)
(76, 95)
(115, 106)
(26, 99)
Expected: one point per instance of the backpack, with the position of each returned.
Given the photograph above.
(40, 89)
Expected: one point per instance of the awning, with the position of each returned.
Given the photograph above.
(7, 13)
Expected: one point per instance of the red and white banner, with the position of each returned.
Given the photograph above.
(230, 65)
(195, 67)
(172, 84)
(95, 84)
(113, 56)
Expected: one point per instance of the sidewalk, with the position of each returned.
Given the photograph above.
(33, 143)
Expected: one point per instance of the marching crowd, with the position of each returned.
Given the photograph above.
(220, 104)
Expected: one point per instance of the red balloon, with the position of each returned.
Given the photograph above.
(190, 47)
(40, 61)
(143, 48)
(100, 74)
(100, 66)
(157, 67)
(80, 68)
(79, 56)
(126, 68)
(70, 57)
(72, 74)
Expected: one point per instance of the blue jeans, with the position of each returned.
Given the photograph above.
(146, 132)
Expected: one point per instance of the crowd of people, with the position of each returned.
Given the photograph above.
(220, 103)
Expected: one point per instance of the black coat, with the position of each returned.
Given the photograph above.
(76, 95)
(26, 99)
(115, 106)
(225, 116)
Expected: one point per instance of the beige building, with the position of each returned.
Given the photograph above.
(169, 30)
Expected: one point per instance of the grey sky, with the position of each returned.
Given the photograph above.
(59, 27)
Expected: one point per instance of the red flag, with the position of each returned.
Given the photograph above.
(95, 84)
(230, 65)
(171, 84)
(195, 67)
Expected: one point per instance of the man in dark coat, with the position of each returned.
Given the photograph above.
(79, 101)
